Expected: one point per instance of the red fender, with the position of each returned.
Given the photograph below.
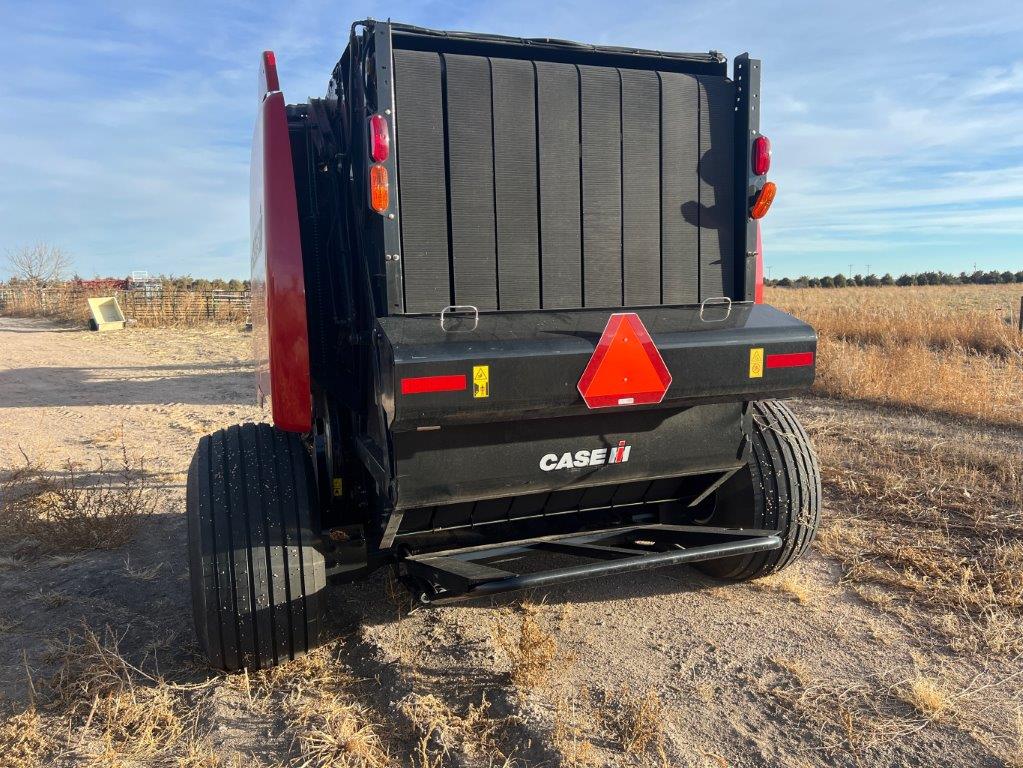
(280, 333)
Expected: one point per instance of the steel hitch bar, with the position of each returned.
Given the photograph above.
(462, 574)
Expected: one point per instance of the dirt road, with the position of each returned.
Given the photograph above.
(797, 670)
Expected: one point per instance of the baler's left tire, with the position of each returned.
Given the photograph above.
(780, 490)
(257, 572)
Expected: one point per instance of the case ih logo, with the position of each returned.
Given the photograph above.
(595, 458)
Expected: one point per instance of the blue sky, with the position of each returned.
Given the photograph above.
(897, 127)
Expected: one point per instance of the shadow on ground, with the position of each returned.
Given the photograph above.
(212, 384)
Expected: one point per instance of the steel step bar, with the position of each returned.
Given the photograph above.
(462, 574)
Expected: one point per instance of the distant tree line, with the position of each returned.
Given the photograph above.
(979, 277)
(186, 283)
(189, 283)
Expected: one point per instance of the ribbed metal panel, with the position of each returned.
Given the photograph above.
(641, 186)
(560, 229)
(422, 182)
(680, 206)
(515, 179)
(601, 149)
(471, 169)
(717, 228)
(568, 186)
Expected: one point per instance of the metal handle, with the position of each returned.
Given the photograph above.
(716, 301)
(459, 309)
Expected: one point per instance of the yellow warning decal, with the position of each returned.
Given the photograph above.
(756, 363)
(481, 381)
(337, 486)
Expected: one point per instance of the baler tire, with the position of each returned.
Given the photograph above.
(786, 484)
(258, 575)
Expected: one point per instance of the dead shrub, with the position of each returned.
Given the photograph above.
(25, 740)
(443, 731)
(927, 695)
(533, 650)
(636, 722)
(76, 509)
(332, 729)
(20, 488)
(131, 712)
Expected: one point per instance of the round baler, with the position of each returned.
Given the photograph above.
(506, 340)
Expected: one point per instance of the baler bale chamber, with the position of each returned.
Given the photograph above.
(508, 319)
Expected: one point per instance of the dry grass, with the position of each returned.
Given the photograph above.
(859, 715)
(929, 524)
(24, 740)
(929, 696)
(957, 382)
(442, 732)
(981, 319)
(333, 730)
(74, 509)
(787, 583)
(571, 736)
(532, 649)
(954, 350)
(99, 709)
(636, 722)
(933, 527)
(124, 710)
(325, 723)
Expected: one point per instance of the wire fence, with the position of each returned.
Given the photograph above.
(149, 304)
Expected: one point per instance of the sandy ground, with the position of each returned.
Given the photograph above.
(720, 657)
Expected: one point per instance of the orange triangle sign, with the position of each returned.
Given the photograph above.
(626, 367)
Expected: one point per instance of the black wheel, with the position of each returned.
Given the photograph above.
(779, 490)
(257, 570)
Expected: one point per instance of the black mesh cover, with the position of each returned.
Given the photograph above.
(543, 185)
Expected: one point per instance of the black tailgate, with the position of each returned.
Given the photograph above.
(532, 179)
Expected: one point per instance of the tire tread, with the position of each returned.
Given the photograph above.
(786, 492)
(257, 575)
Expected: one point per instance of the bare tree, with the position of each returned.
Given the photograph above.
(39, 263)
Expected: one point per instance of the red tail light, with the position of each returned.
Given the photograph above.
(761, 155)
(379, 139)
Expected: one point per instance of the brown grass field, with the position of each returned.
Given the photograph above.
(946, 349)
(897, 641)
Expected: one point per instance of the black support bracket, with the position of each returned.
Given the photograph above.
(746, 73)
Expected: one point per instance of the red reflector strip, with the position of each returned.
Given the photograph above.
(420, 384)
(790, 360)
